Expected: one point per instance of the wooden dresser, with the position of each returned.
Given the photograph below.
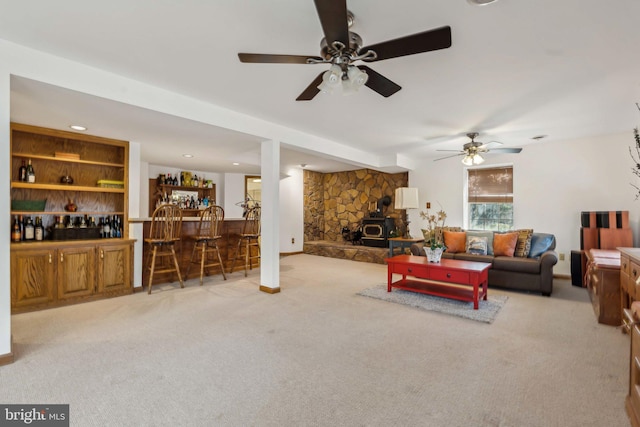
(629, 275)
(603, 284)
(630, 290)
(632, 401)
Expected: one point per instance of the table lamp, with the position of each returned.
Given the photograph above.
(406, 198)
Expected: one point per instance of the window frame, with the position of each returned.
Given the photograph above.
(466, 199)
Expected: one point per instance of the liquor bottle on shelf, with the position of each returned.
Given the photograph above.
(16, 236)
(31, 175)
(29, 230)
(106, 228)
(22, 172)
(114, 227)
(39, 230)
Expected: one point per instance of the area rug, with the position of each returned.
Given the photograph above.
(486, 312)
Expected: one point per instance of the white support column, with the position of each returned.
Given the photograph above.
(135, 206)
(270, 219)
(6, 355)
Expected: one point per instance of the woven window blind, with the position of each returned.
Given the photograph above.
(491, 185)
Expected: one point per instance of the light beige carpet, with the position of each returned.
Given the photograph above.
(317, 354)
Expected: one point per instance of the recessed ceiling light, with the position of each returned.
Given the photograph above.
(480, 2)
(303, 165)
(539, 137)
(78, 127)
(236, 164)
(188, 156)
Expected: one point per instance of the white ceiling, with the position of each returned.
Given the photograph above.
(516, 69)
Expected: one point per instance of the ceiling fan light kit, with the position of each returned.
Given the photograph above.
(472, 159)
(350, 80)
(342, 48)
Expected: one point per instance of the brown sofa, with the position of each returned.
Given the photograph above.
(533, 273)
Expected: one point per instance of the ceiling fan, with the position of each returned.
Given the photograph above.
(342, 48)
(472, 150)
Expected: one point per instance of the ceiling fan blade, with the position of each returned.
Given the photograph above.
(333, 18)
(379, 83)
(486, 146)
(264, 58)
(448, 157)
(439, 38)
(505, 150)
(312, 90)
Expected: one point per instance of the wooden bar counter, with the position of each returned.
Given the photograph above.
(231, 230)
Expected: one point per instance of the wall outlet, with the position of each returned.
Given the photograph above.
(561, 256)
(293, 240)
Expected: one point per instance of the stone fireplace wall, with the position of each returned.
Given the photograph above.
(313, 206)
(342, 199)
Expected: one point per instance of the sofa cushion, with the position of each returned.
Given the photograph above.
(439, 232)
(476, 245)
(523, 247)
(518, 264)
(455, 241)
(483, 233)
(447, 255)
(504, 244)
(540, 243)
(464, 256)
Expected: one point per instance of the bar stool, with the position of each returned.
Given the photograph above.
(249, 238)
(206, 241)
(165, 231)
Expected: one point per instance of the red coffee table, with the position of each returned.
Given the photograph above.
(450, 278)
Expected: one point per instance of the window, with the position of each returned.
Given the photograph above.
(490, 198)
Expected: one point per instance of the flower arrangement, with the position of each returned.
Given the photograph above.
(434, 221)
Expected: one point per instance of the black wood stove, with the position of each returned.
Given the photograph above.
(375, 231)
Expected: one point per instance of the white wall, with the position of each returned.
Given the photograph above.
(292, 211)
(553, 183)
(233, 194)
(291, 206)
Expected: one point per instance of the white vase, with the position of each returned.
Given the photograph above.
(433, 254)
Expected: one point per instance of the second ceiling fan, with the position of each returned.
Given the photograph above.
(472, 150)
(342, 48)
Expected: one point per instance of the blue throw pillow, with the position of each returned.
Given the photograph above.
(540, 243)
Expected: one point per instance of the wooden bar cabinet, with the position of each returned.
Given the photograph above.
(70, 269)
